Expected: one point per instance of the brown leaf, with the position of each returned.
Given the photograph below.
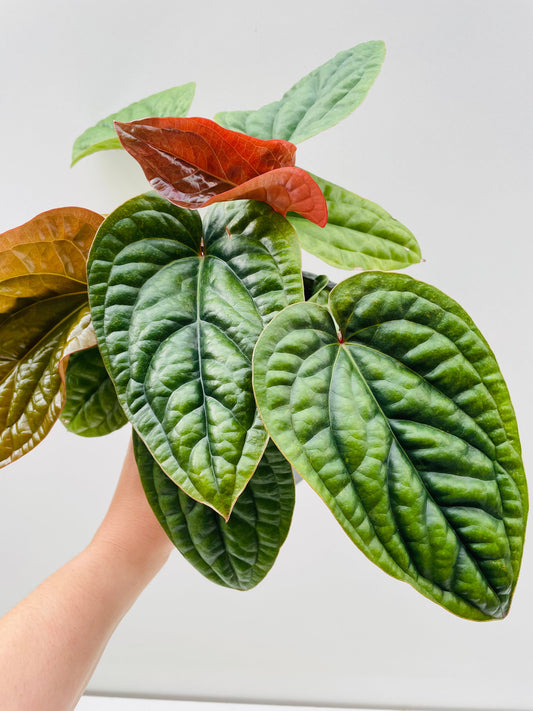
(46, 256)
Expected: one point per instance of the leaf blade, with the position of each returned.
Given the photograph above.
(47, 255)
(177, 328)
(318, 101)
(91, 408)
(31, 378)
(358, 235)
(170, 102)
(43, 319)
(426, 486)
(195, 162)
(237, 553)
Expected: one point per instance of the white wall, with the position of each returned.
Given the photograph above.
(444, 142)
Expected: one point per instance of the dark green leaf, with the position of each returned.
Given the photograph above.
(102, 136)
(358, 234)
(317, 287)
(404, 427)
(92, 408)
(239, 553)
(318, 101)
(177, 310)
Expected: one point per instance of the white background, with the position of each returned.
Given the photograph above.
(443, 142)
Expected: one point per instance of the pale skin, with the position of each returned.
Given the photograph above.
(50, 643)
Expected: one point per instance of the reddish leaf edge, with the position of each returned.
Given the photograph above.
(176, 154)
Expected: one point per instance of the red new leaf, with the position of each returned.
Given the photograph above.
(194, 162)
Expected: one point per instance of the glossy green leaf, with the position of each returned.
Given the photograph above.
(177, 308)
(35, 341)
(318, 101)
(403, 424)
(102, 136)
(92, 408)
(237, 554)
(358, 233)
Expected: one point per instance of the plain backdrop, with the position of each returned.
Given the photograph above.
(443, 142)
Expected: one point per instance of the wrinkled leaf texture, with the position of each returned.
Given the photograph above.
(177, 307)
(92, 408)
(195, 162)
(44, 317)
(406, 430)
(318, 101)
(358, 235)
(237, 553)
(101, 137)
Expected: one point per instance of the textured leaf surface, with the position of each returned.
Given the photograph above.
(102, 136)
(239, 553)
(44, 317)
(318, 101)
(195, 162)
(92, 408)
(35, 340)
(46, 256)
(358, 234)
(406, 430)
(177, 310)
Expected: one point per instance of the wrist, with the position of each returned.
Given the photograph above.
(141, 556)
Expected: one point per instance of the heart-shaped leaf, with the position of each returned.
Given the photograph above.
(195, 162)
(239, 553)
(404, 426)
(102, 136)
(318, 101)
(358, 234)
(92, 408)
(44, 317)
(177, 310)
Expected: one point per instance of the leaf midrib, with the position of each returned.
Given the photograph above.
(428, 493)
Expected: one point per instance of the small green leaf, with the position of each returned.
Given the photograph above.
(404, 426)
(239, 553)
(358, 234)
(92, 408)
(318, 101)
(102, 136)
(177, 308)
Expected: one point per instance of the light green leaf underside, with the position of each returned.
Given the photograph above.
(318, 101)
(92, 408)
(34, 340)
(177, 329)
(237, 554)
(406, 431)
(101, 137)
(358, 235)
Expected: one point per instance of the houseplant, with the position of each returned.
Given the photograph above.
(201, 332)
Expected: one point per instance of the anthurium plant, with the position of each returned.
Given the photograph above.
(235, 368)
